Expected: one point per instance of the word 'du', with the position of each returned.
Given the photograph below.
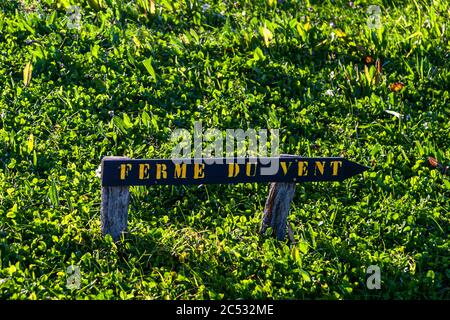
(126, 172)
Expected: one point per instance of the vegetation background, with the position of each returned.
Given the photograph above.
(336, 78)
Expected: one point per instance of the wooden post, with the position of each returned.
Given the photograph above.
(114, 208)
(277, 208)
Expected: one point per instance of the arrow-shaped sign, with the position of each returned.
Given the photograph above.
(127, 172)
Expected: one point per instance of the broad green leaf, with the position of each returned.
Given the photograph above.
(148, 65)
(119, 124)
(312, 234)
(50, 19)
(145, 118)
(419, 148)
(12, 212)
(94, 50)
(301, 31)
(155, 123)
(34, 158)
(137, 42)
(305, 275)
(27, 72)
(40, 52)
(339, 33)
(296, 255)
(367, 74)
(307, 26)
(147, 5)
(130, 57)
(303, 246)
(127, 121)
(258, 54)
(53, 194)
(24, 23)
(12, 164)
(95, 4)
(447, 184)
(12, 269)
(63, 4)
(267, 35)
(152, 6)
(30, 143)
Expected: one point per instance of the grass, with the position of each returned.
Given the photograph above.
(130, 74)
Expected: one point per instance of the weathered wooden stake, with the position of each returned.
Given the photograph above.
(277, 207)
(114, 209)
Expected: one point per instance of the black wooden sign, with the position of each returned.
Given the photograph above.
(118, 173)
(291, 169)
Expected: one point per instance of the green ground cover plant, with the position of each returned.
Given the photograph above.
(128, 72)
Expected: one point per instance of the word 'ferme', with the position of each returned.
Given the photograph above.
(295, 169)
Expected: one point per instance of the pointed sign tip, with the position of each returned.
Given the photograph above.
(355, 168)
(360, 168)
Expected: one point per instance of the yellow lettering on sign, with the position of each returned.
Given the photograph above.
(144, 169)
(180, 170)
(161, 171)
(284, 167)
(124, 169)
(335, 166)
(302, 168)
(248, 169)
(198, 171)
(233, 170)
(319, 165)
